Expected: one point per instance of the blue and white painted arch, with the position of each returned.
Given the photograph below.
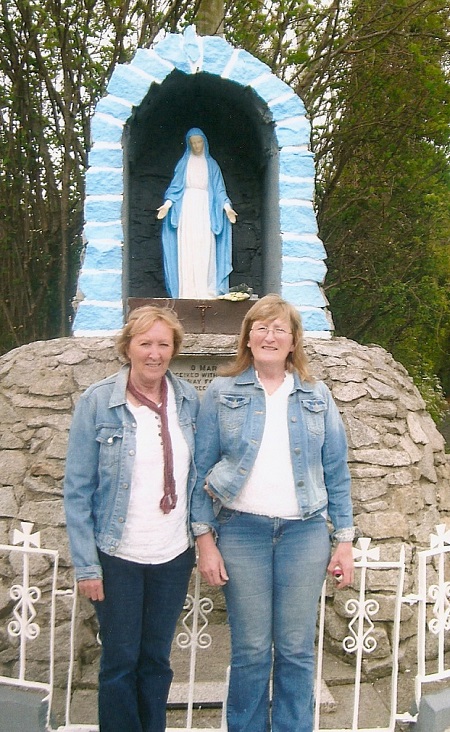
(303, 269)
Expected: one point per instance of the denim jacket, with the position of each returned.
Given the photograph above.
(230, 426)
(100, 457)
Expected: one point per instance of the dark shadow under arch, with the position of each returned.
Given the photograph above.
(241, 137)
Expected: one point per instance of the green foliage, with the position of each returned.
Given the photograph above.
(56, 58)
(374, 77)
(383, 194)
(430, 389)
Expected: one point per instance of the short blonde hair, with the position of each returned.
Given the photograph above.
(141, 319)
(269, 308)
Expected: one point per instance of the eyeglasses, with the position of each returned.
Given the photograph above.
(263, 330)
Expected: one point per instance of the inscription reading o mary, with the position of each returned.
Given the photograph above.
(198, 370)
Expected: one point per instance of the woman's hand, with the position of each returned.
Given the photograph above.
(341, 565)
(92, 589)
(210, 563)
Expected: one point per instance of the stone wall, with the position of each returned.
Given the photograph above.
(401, 475)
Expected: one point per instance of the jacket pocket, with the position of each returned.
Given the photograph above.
(234, 401)
(314, 414)
(110, 440)
(233, 412)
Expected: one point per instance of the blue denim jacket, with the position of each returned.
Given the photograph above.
(99, 464)
(230, 426)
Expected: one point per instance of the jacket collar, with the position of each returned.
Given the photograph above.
(119, 392)
(249, 377)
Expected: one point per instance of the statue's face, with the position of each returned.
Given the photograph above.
(197, 144)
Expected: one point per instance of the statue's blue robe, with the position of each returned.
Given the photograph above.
(220, 224)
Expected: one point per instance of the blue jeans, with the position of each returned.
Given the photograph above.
(276, 569)
(137, 622)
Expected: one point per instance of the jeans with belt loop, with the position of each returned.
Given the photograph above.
(276, 569)
(137, 622)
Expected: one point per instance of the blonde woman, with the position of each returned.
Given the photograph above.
(272, 455)
(129, 478)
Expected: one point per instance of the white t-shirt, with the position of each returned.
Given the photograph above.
(270, 488)
(149, 535)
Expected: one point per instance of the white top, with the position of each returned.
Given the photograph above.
(196, 242)
(270, 488)
(149, 535)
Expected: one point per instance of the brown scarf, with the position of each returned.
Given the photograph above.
(169, 499)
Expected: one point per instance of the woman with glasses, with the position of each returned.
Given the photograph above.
(272, 468)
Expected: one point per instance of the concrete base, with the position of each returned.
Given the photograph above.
(22, 710)
(434, 713)
(214, 693)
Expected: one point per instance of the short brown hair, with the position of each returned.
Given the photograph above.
(141, 319)
(270, 307)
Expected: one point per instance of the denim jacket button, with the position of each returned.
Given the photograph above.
(110, 440)
(293, 419)
(297, 450)
(301, 483)
(131, 452)
(121, 519)
(112, 548)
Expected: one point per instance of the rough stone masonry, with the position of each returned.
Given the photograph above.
(401, 474)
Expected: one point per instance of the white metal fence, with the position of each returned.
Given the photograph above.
(23, 624)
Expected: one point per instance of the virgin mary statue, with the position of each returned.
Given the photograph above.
(196, 231)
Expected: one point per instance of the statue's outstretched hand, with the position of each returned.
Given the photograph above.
(231, 214)
(163, 210)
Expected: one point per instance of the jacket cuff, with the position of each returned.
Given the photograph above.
(342, 535)
(86, 573)
(199, 528)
